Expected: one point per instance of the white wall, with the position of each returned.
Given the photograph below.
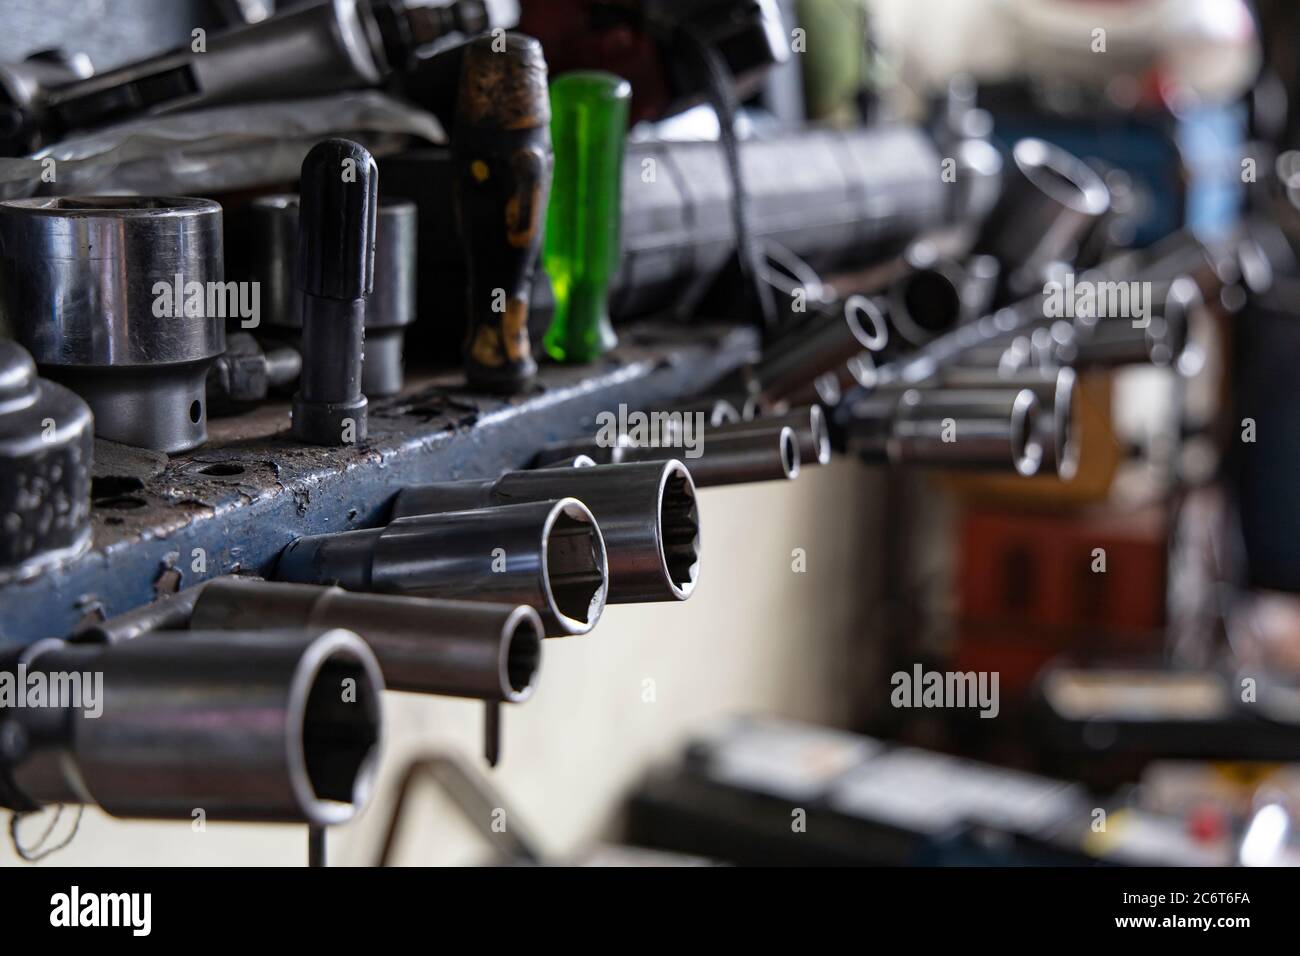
(755, 637)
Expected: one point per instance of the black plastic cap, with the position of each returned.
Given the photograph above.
(339, 200)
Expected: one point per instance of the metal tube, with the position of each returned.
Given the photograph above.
(548, 554)
(951, 428)
(647, 513)
(457, 648)
(771, 454)
(822, 345)
(808, 424)
(1055, 390)
(273, 726)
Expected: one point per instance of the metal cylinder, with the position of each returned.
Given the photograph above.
(982, 429)
(457, 648)
(993, 428)
(122, 299)
(1160, 340)
(824, 344)
(771, 454)
(647, 514)
(274, 726)
(808, 424)
(390, 307)
(549, 554)
(1050, 200)
(46, 447)
(927, 299)
(1055, 389)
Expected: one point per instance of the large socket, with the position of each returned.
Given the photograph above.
(273, 726)
(122, 299)
(647, 512)
(549, 555)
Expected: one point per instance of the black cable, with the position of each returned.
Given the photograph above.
(721, 94)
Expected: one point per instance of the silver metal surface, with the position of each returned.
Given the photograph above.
(823, 345)
(122, 300)
(647, 513)
(808, 424)
(549, 555)
(275, 726)
(457, 648)
(764, 455)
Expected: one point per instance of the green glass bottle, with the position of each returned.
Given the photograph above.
(580, 251)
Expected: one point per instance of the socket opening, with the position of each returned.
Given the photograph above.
(338, 735)
(1026, 450)
(789, 452)
(1066, 432)
(873, 333)
(521, 653)
(574, 566)
(821, 435)
(679, 527)
(931, 301)
(1059, 175)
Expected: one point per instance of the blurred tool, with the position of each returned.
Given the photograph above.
(335, 273)
(647, 513)
(307, 50)
(391, 305)
(548, 554)
(122, 299)
(274, 726)
(581, 247)
(46, 447)
(501, 147)
(770, 453)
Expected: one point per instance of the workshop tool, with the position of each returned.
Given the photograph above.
(121, 299)
(937, 293)
(454, 648)
(548, 554)
(391, 305)
(335, 273)
(647, 512)
(580, 250)
(306, 50)
(246, 373)
(267, 726)
(1050, 200)
(46, 450)
(840, 331)
(501, 151)
(808, 423)
(985, 429)
(770, 454)
(1055, 389)
(860, 194)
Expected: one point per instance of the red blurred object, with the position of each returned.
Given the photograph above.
(1028, 591)
(601, 35)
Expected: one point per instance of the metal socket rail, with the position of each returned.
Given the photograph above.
(234, 505)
